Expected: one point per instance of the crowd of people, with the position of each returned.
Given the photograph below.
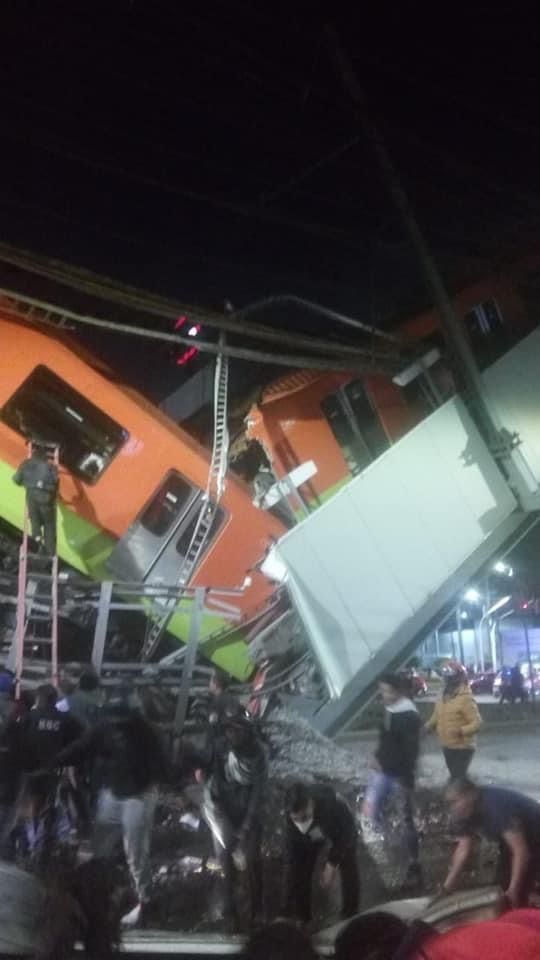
(77, 774)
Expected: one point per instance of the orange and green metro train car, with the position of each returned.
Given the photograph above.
(342, 422)
(131, 482)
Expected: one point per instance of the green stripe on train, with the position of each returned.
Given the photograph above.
(85, 547)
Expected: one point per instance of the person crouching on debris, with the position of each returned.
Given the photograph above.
(39, 477)
(131, 767)
(317, 818)
(502, 816)
(393, 767)
(237, 774)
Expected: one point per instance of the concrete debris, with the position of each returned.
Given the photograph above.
(298, 752)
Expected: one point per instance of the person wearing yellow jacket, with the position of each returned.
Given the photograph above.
(456, 719)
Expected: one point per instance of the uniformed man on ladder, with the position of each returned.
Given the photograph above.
(39, 477)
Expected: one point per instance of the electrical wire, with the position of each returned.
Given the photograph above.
(316, 308)
(129, 296)
(241, 353)
(254, 211)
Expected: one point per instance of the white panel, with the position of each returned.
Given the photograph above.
(513, 383)
(369, 559)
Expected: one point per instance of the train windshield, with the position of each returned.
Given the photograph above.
(47, 408)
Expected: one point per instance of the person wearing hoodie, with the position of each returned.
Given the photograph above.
(456, 719)
(393, 766)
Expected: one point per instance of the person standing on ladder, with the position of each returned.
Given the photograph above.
(39, 477)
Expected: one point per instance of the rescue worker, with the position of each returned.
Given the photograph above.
(131, 766)
(456, 719)
(316, 818)
(509, 818)
(393, 767)
(39, 477)
(43, 734)
(236, 779)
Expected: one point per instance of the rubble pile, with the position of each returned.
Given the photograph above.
(298, 752)
(187, 886)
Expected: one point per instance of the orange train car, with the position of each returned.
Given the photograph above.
(131, 481)
(342, 422)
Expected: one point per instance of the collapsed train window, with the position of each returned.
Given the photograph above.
(184, 542)
(355, 425)
(47, 408)
(165, 509)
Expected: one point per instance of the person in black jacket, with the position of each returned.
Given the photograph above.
(394, 766)
(131, 765)
(317, 817)
(237, 773)
(39, 477)
(43, 732)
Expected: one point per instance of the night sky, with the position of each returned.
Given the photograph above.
(208, 151)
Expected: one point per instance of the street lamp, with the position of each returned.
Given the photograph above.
(471, 596)
(503, 568)
(485, 617)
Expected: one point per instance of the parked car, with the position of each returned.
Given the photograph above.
(483, 682)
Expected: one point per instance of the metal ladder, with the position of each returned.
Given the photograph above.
(33, 605)
(34, 310)
(210, 501)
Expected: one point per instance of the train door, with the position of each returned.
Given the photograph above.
(156, 544)
(356, 425)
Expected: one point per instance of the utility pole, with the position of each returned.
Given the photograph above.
(465, 364)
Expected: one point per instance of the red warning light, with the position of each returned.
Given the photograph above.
(193, 331)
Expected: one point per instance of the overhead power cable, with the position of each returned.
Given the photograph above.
(50, 311)
(141, 301)
(289, 298)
